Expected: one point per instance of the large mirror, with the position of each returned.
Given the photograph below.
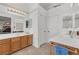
(5, 25)
(76, 21)
(67, 22)
(18, 26)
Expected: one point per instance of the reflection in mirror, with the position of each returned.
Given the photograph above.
(67, 22)
(29, 23)
(5, 25)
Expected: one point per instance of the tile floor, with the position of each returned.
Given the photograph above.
(43, 50)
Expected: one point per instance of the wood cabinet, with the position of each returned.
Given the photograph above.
(15, 44)
(11, 45)
(24, 41)
(29, 37)
(4, 46)
(71, 50)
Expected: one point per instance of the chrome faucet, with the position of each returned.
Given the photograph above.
(71, 33)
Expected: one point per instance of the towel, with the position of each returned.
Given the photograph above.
(59, 50)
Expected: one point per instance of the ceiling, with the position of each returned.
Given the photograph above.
(20, 6)
(27, 7)
(48, 6)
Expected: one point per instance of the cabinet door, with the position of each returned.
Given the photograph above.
(5, 47)
(29, 39)
(24, 41)
(15, 44)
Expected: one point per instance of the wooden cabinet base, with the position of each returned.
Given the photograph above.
(9, 46)
(72, 50)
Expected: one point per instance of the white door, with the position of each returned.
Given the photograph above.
(42, 32)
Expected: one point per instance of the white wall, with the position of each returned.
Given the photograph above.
(55, 17)
(34, 16)
(38, 16)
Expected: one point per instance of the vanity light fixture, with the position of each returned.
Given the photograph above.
(13, 10)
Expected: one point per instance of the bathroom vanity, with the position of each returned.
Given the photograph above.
(67, 42)
(10, 45)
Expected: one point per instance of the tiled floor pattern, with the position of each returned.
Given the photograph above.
(43, 50)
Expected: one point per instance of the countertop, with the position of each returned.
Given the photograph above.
(66, 40)
(10, 35)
